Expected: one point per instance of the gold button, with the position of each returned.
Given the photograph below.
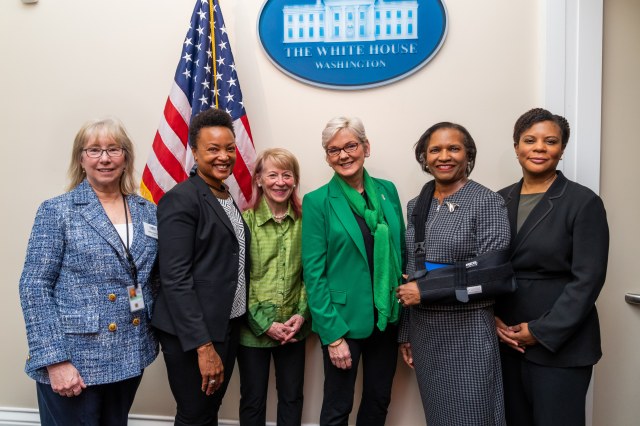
(113, 326)
(112, 297)
(136, 321)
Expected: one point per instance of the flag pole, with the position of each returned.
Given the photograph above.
(213, 52)
(192, 91)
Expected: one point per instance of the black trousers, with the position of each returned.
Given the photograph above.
(537, 395)
(254, 366)
(194, 407)
(379, 353)
(104, 405)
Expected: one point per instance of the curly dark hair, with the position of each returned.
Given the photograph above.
(469, 145)
(537, 115)
(212, 117)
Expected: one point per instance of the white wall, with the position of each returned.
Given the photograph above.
(65, 61)
(617, 384)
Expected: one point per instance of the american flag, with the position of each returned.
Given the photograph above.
(205, 78)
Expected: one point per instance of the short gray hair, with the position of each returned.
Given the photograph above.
(353, 124)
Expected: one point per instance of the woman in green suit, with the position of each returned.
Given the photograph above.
(352, 256)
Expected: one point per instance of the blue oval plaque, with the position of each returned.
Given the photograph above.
(351, 44)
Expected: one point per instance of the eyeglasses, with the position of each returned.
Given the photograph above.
(274, 177)
(97, 152)
(348, 148)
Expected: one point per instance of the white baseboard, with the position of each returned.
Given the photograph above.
(19, 417)
(10, 416)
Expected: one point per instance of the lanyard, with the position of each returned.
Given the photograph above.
(133, 269)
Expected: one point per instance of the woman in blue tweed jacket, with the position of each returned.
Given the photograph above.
(86, 289)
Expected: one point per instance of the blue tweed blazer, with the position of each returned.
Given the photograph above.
(73, 289)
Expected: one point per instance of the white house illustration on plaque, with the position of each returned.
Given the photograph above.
(351, 20)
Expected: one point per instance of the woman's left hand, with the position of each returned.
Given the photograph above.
(506, 335)
(522, 335)
(279, 331)
(407, 354)
(340, 355)
(294, 323)
(408, 294)
(211, 368)
(519, 334)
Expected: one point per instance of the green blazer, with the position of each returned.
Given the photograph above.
(334, 260)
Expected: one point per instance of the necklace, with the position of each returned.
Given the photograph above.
(279, 218)
(221, 188)
(220, 193)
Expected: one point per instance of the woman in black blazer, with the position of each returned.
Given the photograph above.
(204, 274)
(560, 244)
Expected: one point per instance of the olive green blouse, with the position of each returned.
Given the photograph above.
(276, 292)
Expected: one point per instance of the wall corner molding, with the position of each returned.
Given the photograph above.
(572, 69)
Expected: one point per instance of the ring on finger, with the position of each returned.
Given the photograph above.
(212, 382)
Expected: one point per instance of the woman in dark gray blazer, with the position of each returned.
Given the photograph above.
(204, 274)
(560, 244)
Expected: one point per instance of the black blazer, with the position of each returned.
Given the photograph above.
(560, 259)
(198, 255)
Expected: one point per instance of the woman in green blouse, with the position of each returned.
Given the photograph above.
(277, 320)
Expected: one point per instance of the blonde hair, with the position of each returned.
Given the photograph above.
(109, 127)
(282, 159)
(353, 124)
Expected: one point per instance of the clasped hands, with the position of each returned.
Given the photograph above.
(517, 337)
(285, 332)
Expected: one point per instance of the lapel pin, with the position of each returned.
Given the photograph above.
(451, 206)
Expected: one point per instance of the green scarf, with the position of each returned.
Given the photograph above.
(387, 272)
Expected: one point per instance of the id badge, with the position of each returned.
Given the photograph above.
(150, 230)
(136, 301)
